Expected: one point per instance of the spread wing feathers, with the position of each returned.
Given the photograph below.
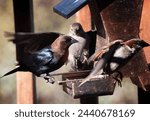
(33, 41)
(99, 53)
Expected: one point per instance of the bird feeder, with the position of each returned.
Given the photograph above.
(113, 19)
(71, 82)
(96, 87)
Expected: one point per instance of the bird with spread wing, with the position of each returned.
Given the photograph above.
(46, 52)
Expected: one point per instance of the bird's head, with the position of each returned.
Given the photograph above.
(139, 43)
(68, 40)
(76, 29)
(62, 43)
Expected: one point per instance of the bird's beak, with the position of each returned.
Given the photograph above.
(73, 41)
(146, 44)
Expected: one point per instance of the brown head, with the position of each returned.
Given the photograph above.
(62, 43)
(137, 43)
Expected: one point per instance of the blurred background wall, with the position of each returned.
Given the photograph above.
(45, 20)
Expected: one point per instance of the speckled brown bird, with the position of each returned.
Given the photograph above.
(45, 54)
(114, 56)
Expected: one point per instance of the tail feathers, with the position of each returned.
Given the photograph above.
(20, 68)
(9, 34)
(18, 38)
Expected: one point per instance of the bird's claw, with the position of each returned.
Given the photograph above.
(118, 78)
(48, 78)
(119, 82)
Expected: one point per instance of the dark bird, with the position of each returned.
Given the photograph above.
(113, 57)
(46, 53)
(79, 52)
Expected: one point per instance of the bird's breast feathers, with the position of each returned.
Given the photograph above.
(124, 51)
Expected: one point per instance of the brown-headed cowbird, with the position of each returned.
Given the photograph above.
(79, 52)
(113, 57)
(45, 55)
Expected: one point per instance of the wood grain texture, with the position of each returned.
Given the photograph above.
(25, 90)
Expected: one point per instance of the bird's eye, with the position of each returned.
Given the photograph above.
(138, 42)
(68, 40)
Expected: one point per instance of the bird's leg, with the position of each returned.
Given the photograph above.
(50, 80)
(118, 76)
(119, 81)
(48, 77)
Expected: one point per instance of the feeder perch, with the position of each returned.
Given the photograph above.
(67, 8)
(95, 87)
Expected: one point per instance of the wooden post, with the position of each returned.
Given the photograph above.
(23, 15)
(143, 96)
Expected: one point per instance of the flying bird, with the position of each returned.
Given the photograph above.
(113, 57)
(79, 52)
(46, 52)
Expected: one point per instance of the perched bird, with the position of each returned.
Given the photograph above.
(44, 56)
(79, 52)
(113, 57)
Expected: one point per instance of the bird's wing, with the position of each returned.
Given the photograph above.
(33, 41)
(41, 58)
(99, 53)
